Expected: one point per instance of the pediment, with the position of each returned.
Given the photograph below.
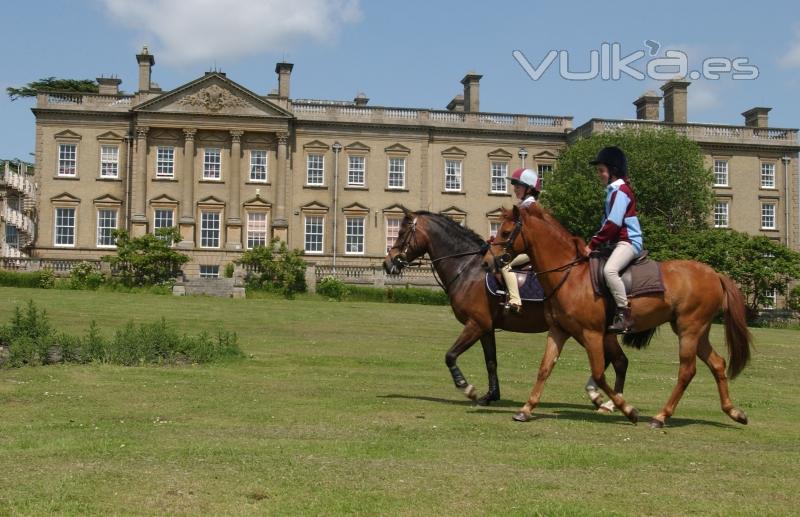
(163, 198)
(316, 144)
(212, 94)
(501, 154)
(314, 206)
(496, 213)
(397, 148)
(453, 210)
(396, 208)
(211, 200)
(67, 135)
(109, 135)
(357, 146)
(258, 201)
(545, 155)
(355, 207)
(107, 199)
(454, 151)
(65, 197)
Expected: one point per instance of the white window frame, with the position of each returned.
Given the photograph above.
(770, 297)
(453, 181)
(391, 232)
(354, 243)
(101, 230)
(211, 271)
(354, 172)
(393, 174)
(542, 169)
(251, 231)
(317, 172)
(156, 219)
(212, 164)
(165, 161)
(721, 169)
(257, 168)
(109, 161)
(67, 166)
(498, 174)
(321, 234)
(56, 226)
(722, 216)
(765, 217)
(767, 175)
(494, 226)
(206, 227)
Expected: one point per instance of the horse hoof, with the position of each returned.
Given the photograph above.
(522, 416)
(487, 399)
(471, 392)
(656, 424)
(633, 415)
(738, 415)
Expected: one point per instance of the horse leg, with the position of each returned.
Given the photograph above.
(556, 338)
(593, 343)
(469, 335)
(716, 364)
(490, 356)
(617, 358)
(688, 367)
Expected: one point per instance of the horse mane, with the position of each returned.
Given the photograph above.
(454, 230)
(561, 233)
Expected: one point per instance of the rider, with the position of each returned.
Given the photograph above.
(620, 227)
(526, 189)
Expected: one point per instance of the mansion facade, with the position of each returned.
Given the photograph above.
(232, 168)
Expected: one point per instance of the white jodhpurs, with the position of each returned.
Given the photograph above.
(623, 254)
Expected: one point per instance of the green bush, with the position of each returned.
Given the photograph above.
(417, 295)
(793, 299)
(229, 268)
(277, 268)
(47, 279)
(333, 288)
(146, 260)
(84, 276)
(37, 279)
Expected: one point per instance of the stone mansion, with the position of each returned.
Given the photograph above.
(232, 168)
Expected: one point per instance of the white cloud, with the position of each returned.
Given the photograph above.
(702, 96)
(791, 59)
(188, 31)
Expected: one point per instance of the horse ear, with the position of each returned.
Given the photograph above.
(408, 213)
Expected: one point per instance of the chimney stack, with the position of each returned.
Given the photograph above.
(457, 104)
(284, 71)
(108, 85)
(757, 117)
(647, 106)
(146, 62)
(675, 101)
(471, 93)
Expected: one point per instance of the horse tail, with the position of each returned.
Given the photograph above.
(737, 335)
(639, 340)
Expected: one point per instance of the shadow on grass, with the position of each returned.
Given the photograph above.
(562, 411)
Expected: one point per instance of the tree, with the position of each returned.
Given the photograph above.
(672, 187)
(51, 84)
(146, 260)
(277, 267)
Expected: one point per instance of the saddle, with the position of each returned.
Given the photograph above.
(641, 277)
(530, 290)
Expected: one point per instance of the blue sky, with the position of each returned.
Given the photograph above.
(411, 53)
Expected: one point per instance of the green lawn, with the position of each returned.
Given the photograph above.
(348, 408)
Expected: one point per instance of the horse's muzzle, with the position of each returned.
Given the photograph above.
(393, 266)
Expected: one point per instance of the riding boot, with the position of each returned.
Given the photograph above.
(622, 321)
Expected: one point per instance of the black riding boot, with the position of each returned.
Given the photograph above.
(622, 321)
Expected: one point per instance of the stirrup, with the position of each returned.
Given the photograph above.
(511, 308)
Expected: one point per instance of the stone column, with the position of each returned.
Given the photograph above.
(187, 194)
(234, 221)
(280, 223)
(139, 185)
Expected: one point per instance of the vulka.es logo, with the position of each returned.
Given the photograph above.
(608, 63)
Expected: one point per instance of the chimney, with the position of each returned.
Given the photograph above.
(284, 71)
(471, 95)
(146, 62)
(675, 101)
(757, 117)
(457, 104)
(647, 106)
(108, 85)
(361, 99)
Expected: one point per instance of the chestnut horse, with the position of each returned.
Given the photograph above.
(456, 255)
(694, 294)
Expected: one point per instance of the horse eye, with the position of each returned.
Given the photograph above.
(505, 233)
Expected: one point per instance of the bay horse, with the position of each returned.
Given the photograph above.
(456, 254)
(693, 295)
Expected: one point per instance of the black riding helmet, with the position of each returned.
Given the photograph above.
(613, 158)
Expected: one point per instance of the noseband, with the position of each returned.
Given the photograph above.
(400, 259)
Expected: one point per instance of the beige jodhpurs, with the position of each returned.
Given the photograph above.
(623, 254)
(511, 279)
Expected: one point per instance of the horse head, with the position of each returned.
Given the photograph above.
(407, 247)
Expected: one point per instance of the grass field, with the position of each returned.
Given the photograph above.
(348, 408)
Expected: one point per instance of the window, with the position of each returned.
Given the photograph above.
(209, 229)
(208, 271)
(68, 159)
(12, 236)
(768, 216)
(109, 161)
(163, 218)
(165, 162)
(494, 227)
(397, 173)
(770, 300)
(452, 175)
(720, 173)
(212, 164)
(767, 175)
(545, 169)
(354, 236)
(356, 171)
(313, 233)
(392, 231)
(721, 212)
(256, 229)
(499, 174)
(258, 166)
(65, 227)
(315, 169)
(106, 223)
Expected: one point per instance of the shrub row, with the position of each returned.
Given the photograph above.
(333, 288)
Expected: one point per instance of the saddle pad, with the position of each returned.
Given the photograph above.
(530, 290)
(641, 277)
